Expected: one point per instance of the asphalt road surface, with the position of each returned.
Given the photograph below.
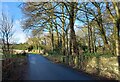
(40, 68)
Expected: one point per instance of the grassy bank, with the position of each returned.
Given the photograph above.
(13, 67)
(102, 66)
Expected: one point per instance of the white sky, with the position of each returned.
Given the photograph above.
(19, 35)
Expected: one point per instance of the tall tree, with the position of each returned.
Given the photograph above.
(116, 20)
(72, 10)
(6, 32)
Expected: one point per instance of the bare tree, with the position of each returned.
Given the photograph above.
(6, 32)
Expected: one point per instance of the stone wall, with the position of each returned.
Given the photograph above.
(102, 66)
(107, 67)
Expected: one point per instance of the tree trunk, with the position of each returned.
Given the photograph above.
(8, 46)
(73, 36)
(67, 48)
(117, 31)
(63, 32)
(117, 40)
(94, 40)
(102, 30)
(99, 21)
(73, 42)
(67, 42)
(51, 37)
(90, 34)
(57, 37)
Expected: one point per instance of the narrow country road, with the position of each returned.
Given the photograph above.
(39, 68)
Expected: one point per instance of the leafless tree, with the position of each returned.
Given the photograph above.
(6, 32)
